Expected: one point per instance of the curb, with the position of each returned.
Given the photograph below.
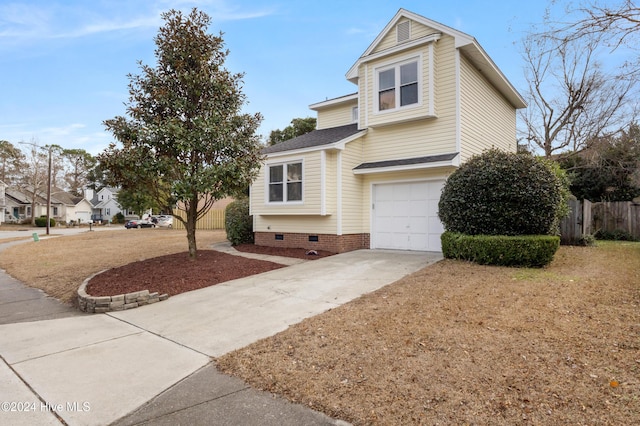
(120, 302)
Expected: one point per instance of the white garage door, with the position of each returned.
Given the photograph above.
(83, 217)
(405, 216)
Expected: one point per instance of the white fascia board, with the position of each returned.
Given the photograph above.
(335, 101)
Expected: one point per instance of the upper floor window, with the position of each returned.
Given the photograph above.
(285, 182)
(398, 85)
(354, 114)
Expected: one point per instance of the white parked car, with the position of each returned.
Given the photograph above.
(164, 221)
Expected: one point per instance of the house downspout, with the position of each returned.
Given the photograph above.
(323, 183)
(339, 193)
(458, 106)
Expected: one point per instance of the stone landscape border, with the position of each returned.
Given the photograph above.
(120, 302)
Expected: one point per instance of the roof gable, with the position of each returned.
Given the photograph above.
(424, 30)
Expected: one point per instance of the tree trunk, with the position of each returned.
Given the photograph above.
(191, 228)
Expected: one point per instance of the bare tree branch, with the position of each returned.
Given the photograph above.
(571, 97)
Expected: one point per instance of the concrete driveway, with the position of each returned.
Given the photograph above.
(97, 369)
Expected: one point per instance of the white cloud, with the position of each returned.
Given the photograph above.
(62, 131)
(22, 20)
(112, 26)
(219, 10)
(23, 23)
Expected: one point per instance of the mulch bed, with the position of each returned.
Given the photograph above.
(282, 251)
(175, 273)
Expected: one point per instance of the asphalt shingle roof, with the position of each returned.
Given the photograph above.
(407, 161)
(314, 138)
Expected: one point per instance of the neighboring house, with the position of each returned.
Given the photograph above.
(68, 208)
(18, 204)
(105, 204)
(13, 206)
(65, 207)
(428, 98)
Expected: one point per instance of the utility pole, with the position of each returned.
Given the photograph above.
(49, 149)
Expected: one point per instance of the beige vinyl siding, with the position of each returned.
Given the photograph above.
(330, 182)
(311, 185)
(296, 224)
(413, 112)
(408, 140)
(257, 193)
(422, 137)
(352, 189)
(417, 31)
(487, 118)
(336, 115)
(416, 175)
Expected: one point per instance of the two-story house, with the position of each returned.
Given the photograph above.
(370, 176)
(105, 204)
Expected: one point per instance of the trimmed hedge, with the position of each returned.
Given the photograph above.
(42, 221)
(238, 223)
(525, 250)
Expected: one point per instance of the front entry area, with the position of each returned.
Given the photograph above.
(405, 216)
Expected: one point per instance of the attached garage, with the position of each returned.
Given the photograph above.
(83, 216)
(405, 216)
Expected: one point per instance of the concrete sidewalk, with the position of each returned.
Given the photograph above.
(153, 364)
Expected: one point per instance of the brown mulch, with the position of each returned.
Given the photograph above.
(281, 251)
(175, 273)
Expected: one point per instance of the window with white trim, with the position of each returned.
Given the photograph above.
(398, 85)
(285, 182)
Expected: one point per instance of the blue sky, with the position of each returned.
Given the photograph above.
(64, 63)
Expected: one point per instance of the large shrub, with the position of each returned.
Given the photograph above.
(42, 221)
(501, 193)
(238, 222)
(118, 218)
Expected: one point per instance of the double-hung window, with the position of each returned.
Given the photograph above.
(285, 182)
(398, 85)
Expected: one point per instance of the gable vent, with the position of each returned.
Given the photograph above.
(403, 31)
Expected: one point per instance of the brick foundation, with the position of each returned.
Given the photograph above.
(327, 242)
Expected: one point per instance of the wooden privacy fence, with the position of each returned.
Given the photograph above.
(588, 218)
(213, 219)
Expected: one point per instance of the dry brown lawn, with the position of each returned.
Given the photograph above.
(459, 343)
(58, 265)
